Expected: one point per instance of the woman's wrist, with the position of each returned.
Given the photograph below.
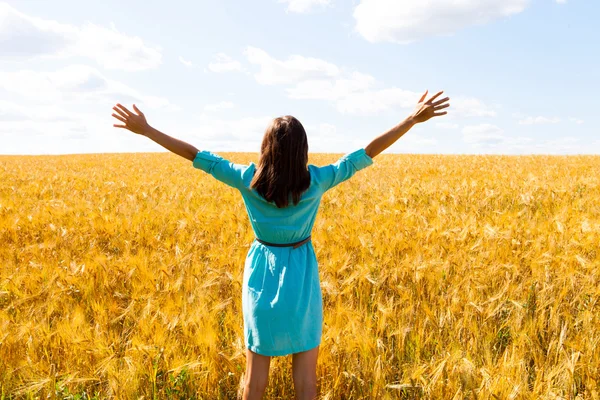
(411, 120)
(149, 132)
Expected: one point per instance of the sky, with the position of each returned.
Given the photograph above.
(522, 75)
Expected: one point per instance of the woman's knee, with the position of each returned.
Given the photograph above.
(257, 372)
(256, 387)
(257, 382)
(306, 392)
(304, 373)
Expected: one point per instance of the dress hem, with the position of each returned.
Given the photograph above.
(283, 352)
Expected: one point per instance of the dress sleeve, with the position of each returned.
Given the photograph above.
(344, 168)
(220, 168)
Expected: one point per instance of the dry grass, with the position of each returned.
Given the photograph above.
(443, 277)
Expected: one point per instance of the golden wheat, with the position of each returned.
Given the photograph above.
(443, 277)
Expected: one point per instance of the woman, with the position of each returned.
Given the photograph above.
(281, 295)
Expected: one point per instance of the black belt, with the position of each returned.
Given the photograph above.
(295, 245)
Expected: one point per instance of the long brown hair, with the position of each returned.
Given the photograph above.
(282, 166)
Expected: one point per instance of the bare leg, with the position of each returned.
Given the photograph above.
(257, 375)
(304, 372)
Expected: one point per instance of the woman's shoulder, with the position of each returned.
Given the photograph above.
(317, 173)
(248, 173)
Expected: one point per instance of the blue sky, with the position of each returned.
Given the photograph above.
(522, 75)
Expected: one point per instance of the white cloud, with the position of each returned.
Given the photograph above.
(483, 134)
(185, 62)
(566, 141)
(372, 102)
(83, 133)
(326, 130)
(223, 105)
(418, 140)
(68, 129)
(296, 68)
(10, 111)
(488, 136)
(53, 128)
(74, 81)
(414, 143)
(247, 130)
(410, 20)
(446, 125)
(74, 104)
(304, 6)
(224, 63)
(352, 92)
(462, 106)
(325, 137)
(561, 1)
(24, 37)
(539, 121)
(75, 84)
(576, 120)
(333, 89)
(115, 50)
(566, 145)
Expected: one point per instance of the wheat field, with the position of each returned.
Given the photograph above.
(443, 277)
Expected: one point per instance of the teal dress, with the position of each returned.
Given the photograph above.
(281, 292)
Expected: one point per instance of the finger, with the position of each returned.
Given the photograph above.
(442, 106)
(436, 114)
(121, 113)
(440, 101)
(434, 96)
(129, 113)
(119, 126)
(423, 97)
(119, 118)
(137, 110)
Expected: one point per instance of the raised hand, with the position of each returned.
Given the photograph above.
(430, 108)
(134, 122)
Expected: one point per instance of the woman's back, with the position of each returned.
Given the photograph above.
(294, 222)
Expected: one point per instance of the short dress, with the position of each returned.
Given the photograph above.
(282, 302)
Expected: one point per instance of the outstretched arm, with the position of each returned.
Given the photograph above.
(424, 111)
(136, 122)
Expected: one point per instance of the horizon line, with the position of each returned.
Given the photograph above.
(310, 152)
